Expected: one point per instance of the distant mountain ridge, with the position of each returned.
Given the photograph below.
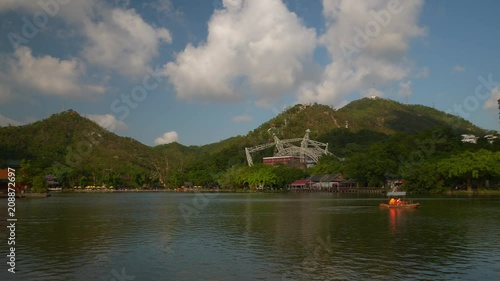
(378, 115)
(68, 139)
(73, 140)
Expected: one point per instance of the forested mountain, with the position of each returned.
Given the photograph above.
(375, 136)
(77, 149)
(367, 120)
(379, 116)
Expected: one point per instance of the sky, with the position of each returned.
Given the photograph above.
(201, 71)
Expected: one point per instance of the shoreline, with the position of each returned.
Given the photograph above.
(485, 192)
(168, 191)
(27, 195)
(186, 190)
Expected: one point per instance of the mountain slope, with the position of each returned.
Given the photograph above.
(387, 116)
(90, 151)
(71, 140)
(377, 115)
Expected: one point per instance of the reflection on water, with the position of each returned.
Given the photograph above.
(166, 236)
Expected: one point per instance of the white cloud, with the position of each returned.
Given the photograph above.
(123, 41)
(20, 4)
(29, 5)
(405, 89)
(242, 118)
(5, 121)
(46, 74)
(373, 92)
(458, 68)
(5, 89)
(253, 47)
(115, 37)
(168, 137)
(492, 102)
(367, 42)
(108, 121)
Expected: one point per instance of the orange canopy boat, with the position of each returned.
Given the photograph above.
(399, 203)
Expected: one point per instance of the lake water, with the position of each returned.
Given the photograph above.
(181, 236)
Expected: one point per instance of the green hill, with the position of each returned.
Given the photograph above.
(389, 117)
(82, 152)
(363, 122)
(74, 143)
(369, 121)
(378, 115)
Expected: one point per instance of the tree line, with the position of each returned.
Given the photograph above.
(431, 161)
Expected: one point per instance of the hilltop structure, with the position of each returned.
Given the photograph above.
(286, 152)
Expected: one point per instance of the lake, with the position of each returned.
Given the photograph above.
(197, 236)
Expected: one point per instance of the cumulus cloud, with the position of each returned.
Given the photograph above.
(242, 118)
(6, 121)
(492, 102)
(108, 121)
(5, 89)
(123, 41)
(367, 42)
(20, 4)
(45, 74)
(372, 92)
(253, 47)
(168, 137)
(405, 89)
(458, 68)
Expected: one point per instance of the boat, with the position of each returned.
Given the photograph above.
(399, 203)
(405, 205)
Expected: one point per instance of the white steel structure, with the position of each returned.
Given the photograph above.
(309, 150)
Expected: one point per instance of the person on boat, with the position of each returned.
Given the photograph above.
(398, 202)
(392, 201)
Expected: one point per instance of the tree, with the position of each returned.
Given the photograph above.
(287, 175)
(470, 165)
(66, 176)
(26, 173)
(262, 176)
(111, 179)
(39, 185)
(140, 179)
(175, 179)
(327, 164)
(423, 178)
(84, 181)
(372, 167)
(200, 177)
(234, 177)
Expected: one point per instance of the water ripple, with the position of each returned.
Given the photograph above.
(254, 237)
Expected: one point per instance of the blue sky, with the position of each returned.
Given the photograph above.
(198, 72)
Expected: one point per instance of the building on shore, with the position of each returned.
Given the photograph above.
(325, 182)
(4, 175)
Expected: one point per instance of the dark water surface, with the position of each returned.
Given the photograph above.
(179, 236)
